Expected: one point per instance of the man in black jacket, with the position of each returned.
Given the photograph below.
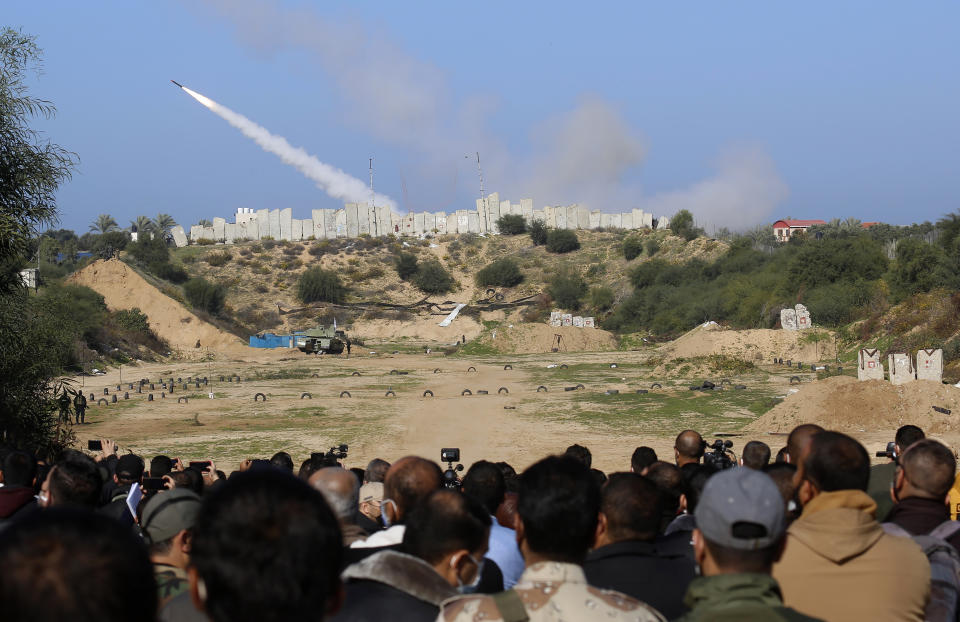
(445, 541)
(626, 557)
(922, 481)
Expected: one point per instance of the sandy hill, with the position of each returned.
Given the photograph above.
(122, 288)
(849, 405)
(755, 345)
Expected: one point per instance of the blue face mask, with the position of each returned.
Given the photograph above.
(383, 512)
(471, 588)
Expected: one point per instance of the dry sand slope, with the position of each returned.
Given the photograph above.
(749, 345)
(849, 405)
(522, 338)
(122, 288)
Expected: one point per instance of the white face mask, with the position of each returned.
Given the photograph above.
(470, 588)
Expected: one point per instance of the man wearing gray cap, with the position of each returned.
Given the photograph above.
(167, 524)
(739, 535)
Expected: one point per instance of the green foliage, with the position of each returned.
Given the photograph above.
(104, 223)
(319, 285)
(432, 278)
(149, 249)
(652, 247)
(632, 247)
(132, 319)
(163, 223)
(204, 295)
(141, 224)
(110, 244)
(406, 265)
(168, 272)
(562, 241)
(567, 288)
(218, 259)
(511, 224)
(919, 267)
(538, 232)
(601, 298)
(502, 272)
(682, 225)
(831, 260)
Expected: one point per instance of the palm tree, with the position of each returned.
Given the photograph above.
(204, 222)
(164, 222)
(104, 223)
(142, 224)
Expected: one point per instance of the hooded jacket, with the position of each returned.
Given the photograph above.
(736, 597)
(839, 564)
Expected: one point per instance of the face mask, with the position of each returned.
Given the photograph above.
(470, 588)
(383, 511)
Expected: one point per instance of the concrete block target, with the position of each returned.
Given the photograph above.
(306, 395)
(126, 395)
(184, 386)
(139, 388)
(466, 392)
(93, 397)
(153, 387)
(149, 397)
(102, 399)
(503, 390)
(179, 379)
(118, 387)
(106, 391)
(344, 393)
(471, 368)
(162, 395)
(259, 397)
(222, 378)
(541, 389)
(182, 400)
(113, 398)
(428, 393)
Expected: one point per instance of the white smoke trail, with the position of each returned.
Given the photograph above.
(331, 180)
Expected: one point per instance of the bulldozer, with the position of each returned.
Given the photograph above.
(321, 340)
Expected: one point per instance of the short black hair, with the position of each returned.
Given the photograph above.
(695, 478)
(908, 435)
(161, 465)
(756, 455)
(75, 480)
(782, 475)
(837, 462)
(599, 476)
(189, 478)
(558, 504)
(642, 458)
(633, 507)
(19, 469)
(268, 547)
(930, 467)
(730, 559)
(73, 564)
(310, 466)
(376, 470)
(445, 522)
(580, 453)
(782, 456)
(282, 460)
(484, 483)
(511, 480)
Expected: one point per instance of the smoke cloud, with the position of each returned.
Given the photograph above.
(331, 180)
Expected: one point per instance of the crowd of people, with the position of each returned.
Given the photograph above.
(814, 534)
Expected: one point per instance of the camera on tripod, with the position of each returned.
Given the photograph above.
(450, 478)
(332, 457)
(718, 454)
(890, 453)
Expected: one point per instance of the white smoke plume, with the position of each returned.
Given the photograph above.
(331, 180)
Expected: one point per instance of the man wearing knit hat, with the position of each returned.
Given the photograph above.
(167, 525)
(739, 535)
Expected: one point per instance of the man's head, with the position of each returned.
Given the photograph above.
(580, 454)
(129, 470)
(160, 466)
(755, 455)
(371, 496)
(927, 470)
(669, 481)
(798, 439)
(449, 531)
(282, 460)
(19, 469)
(630, 509)
(74, 481)
(831, 461)
(642, 458)
(310, 466)
(484, 483)
(740, 523)
(376, 470)
(688, 447)
(341, 489)
(266, 547)
(167, 525)
(557, 506)
(695, 478)
(408, 482)
(907, 435)
(71, 564)
(782, 475)
(189, 478)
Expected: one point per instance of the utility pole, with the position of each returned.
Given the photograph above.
(373, 197)
(480, 173)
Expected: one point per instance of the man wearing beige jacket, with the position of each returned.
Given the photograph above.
(839, 564)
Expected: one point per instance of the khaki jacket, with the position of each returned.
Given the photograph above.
(839, 564)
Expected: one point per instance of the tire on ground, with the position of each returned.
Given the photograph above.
(579, 386)
(356, 373)
(428, 392)
(541, 389)
(306, 395)
(656, 385)
(503, 390)
(792, 378)
(342, 393)
(466, 392)
(102, 400)
(390, 393)
(259, 395)
(471, 368)
(182, 400)
(507, 366)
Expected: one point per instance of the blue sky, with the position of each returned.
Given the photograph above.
(743, 112)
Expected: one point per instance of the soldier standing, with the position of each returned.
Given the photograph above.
(64, 402)
(348, 348)
(80, 406)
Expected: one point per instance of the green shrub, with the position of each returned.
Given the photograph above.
(632, 247)
(562, 241)
(502, 272)
(432, 278)
(218, 259)
(682, 225)
(567, 289)
(168, 272)
(511, 224)
(652, 247)
(538, 232)
(319, 285)
(601, 298)
(268, 243)
(205, 242)
(148, 249)
(406, 265)
(204, 295)
(132, 319)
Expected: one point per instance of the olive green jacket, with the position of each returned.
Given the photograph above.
(739, 597)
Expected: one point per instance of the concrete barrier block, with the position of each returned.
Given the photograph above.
(930, 364)
(788, 319)
(900, 367)
(179, 236)
(869, 366)
(218, 228)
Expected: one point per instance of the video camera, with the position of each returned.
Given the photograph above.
(720, 456)
(450, 478)
(890, 453)
(332, 457)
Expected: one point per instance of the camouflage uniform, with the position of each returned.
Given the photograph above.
(171, 581)
(554, 592)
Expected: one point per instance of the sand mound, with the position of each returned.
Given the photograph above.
(749, 345)
(846, 404)
(525, 338)
(122, 288)
(422, 329)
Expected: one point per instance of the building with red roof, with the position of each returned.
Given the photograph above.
(784, 229)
